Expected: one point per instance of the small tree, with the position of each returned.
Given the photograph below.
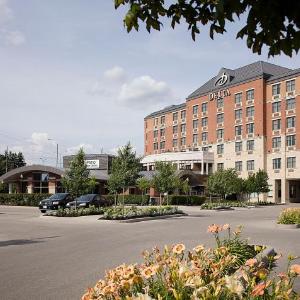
(250, 185)
(143, 184)
(261, 183)
(224, 182)
(115, 183)
(76, 179)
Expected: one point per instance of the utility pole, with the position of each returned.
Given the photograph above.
(56, 155)
(6, 160)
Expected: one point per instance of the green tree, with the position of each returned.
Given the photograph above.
(115, 181)
(11, 160)
(250, 185)
(76, 179)
(274, 24)
(261, 183)
(143, 184)
(125, 168)
(224, 182)
(165, 179)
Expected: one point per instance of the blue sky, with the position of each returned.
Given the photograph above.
(70, 72)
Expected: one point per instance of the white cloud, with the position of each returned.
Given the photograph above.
(144, 91)
(116, 73)
(87, 148)
(14, 38)
(5, 12)
(40, 141)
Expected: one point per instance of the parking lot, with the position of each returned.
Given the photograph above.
(57, 258)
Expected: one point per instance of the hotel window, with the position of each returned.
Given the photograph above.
(239, 166)
(195, 109)
(220, 166)
(220, 102)
(250, 95)
(276, 124)
(155, 146)
(290, 85)
(276, 142)
(238, 130)
(205, 149)
(250, 145)
(238, 114)
(291, 162)
(183, 114)
(238, 98)
(155, 133)
(276, 107)
(250, 165)
(220, 149)
(195, 124)
(204, 136)
(290, 103)
(220, 118)
(204, 121)
(250, 111)
(195, 138)
(276, 89)
(162, 120)
(155, 121)
(175, 116)
(182, 141)
(238, 146)
(250, 128)
(162, 145)
(204, 107)
(290, 122)
(162, 132)
(290, 140)
(276, 163)
(175, 129)
(220, 133)
(175, 143)
(183, 127)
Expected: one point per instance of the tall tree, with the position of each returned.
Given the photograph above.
(261, 183)
(76, 179)
(274, 24)
(11, 160)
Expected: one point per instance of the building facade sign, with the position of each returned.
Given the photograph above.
(222, 80)
(219, 94)
(92, 163)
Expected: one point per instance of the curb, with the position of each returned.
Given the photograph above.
(287, 226)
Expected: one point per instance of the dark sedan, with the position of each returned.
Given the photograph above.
(55, 201)
(87, 201)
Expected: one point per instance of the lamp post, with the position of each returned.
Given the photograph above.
(56, 151)
(21, 181)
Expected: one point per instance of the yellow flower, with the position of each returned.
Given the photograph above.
(178, 249)
(199, 248)
(234, 285)
(148, 272)
(142, 297)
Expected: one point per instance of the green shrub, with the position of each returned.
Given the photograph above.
(22, 199)
(121, 213)
(92, 210)
(129, 199)
(263, 203)
(186, 200)
(214, 205)
(289, 216)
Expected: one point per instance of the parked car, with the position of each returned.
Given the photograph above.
(88, 200)
(55, 201)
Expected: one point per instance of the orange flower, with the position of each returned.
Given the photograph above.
(259, 289)
(179, 248)
(199, 248)
(214, 228)
(148, 272)
(226, 226)
(251, 262)
(295, 269)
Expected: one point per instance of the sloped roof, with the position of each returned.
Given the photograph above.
(246, 73)
(166, 109)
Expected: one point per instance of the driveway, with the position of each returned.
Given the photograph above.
(57, 258)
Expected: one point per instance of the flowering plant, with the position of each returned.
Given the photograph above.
(203, 273)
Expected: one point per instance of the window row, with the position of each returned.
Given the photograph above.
(290, 123)
(290, 163)
(289, 104)
(290, 141)
(239, 165)
(289, 87)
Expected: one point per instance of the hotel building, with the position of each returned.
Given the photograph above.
(248, 118)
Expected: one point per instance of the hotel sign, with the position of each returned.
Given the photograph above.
(219, 94)
(92, 164)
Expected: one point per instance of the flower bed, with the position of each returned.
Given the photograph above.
(216, 205)
(124, 213)
(289, 216)
(75, 212)
(203, 273)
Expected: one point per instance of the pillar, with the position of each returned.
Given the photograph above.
(284, 191)
(202, 168)
(10, 188)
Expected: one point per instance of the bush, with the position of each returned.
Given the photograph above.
(129, 199)
(121, 213)
(289, 216)
(203, 273)
(214, 205)
(186, 200)
(76, 212)
(22, 199)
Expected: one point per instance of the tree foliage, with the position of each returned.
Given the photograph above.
(274, 24)
(143, 184)
(14, 160)
(76, 179)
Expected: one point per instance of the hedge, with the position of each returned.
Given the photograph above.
(22, 199)
(186, 200)
(129, 199)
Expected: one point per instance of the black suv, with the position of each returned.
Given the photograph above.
(55, 201)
